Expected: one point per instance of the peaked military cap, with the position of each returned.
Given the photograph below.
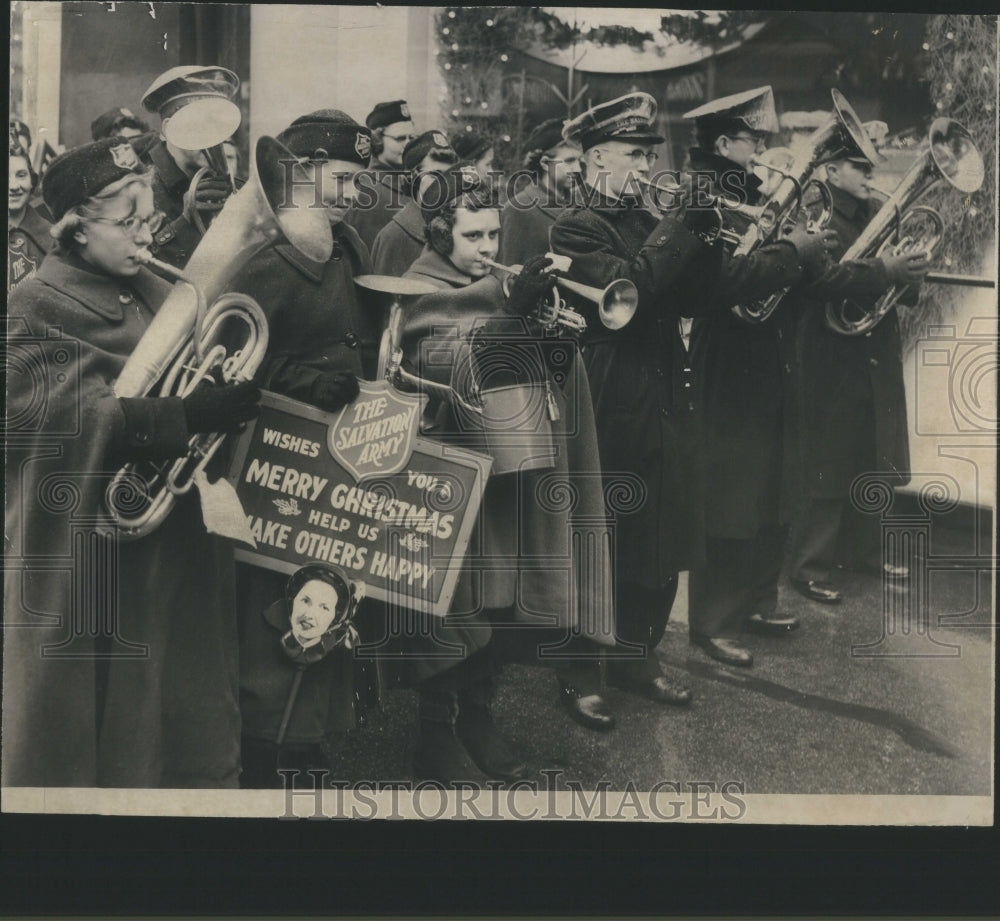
(752, 110)
(180, 85)
(627, 118)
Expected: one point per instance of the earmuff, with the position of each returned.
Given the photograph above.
(439, 235)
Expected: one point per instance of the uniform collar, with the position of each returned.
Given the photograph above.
(172, 176)
(432, 264)
(313, 270)
(849, 207)
(411, 220)
(36, 227)
(99, 293)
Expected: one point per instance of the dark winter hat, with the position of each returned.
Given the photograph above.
(76, 175)
(19, 129)
(469, 145)
(388, 113)
(545, 136)
(328, 134)
(435, 142)
(439, 191)
(111, 122)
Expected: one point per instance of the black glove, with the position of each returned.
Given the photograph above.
(210, 408)
(208, 196)
(813, 248)
(530, 286)
(334, 390)
(906, 269)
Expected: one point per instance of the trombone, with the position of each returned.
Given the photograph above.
(616, 304)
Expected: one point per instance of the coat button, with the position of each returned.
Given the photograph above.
(660, 241)
(142, 437)
(337, 253)
(659, 372)
(873, 362)
(125, 297)
(868, 335)
(351, 341)
(687, 384)
(788, 369)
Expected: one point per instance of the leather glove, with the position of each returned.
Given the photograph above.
(530, 286)
(333, 390)
(813, 248)
(210, 408)
(208, 196)
(906, 269)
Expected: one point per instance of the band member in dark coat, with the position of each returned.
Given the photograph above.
(322, 338)
(401, 241)
(743, 372)
(853, 401)
(383, 189)
(133, 685)
(188, 210)
(534, 208)
(28, 237)
(641, 384)
(564, 605)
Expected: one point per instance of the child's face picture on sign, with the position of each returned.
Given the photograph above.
(313, 610)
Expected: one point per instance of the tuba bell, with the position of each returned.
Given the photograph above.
(901, 226)
(842, 128)
(199, 335)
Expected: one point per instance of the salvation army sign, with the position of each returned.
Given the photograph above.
(361, 490)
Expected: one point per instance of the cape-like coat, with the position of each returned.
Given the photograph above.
(119, 657)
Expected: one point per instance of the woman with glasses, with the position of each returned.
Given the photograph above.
(119, 657)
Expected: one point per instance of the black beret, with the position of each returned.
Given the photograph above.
(76, 175)
(469, 145)
(328, 134)
(436, 192)
(19, 129)
(424, 144)
(388, 113)
(111, 122)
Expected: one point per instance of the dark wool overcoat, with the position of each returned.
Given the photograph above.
(27, 245)
(119, 657)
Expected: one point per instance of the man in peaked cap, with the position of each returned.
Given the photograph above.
(399, 243)
(639, 379)
(196, 114)
(383, 188)
(532, 209)
(852, 398)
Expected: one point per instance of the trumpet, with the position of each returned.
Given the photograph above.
(717, 203)
(616, 304)
(188, 342)
(900, 226)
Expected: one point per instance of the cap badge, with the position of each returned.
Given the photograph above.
(404, 110)
(124, 156)
(363, 145)
(439, 139)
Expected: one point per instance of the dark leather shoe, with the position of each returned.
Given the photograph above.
(772, 624)
(490, 751)
(662, 689)
(822, 592)
(589, 710)
(724, 650)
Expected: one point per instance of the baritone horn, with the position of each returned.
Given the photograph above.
(201, 333)
(616, 304)
(902, 227)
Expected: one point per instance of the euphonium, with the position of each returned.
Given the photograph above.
(901, 227)
(842, 128)
(189, 341)
(616, 304)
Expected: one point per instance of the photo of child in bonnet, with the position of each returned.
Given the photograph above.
(297, 675)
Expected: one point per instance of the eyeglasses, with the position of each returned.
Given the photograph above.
(399, 138)
(746, 137)
(133, 224)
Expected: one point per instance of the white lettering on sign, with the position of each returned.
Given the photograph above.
(285, 479)
(380, 507)
(395, 569)
(291, 443)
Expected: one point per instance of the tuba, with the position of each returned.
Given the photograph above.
(901, 227)
(842, 128)
(198, 334)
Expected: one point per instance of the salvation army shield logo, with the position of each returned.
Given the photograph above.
(373, 436)
(363, 145)
(124, 156)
